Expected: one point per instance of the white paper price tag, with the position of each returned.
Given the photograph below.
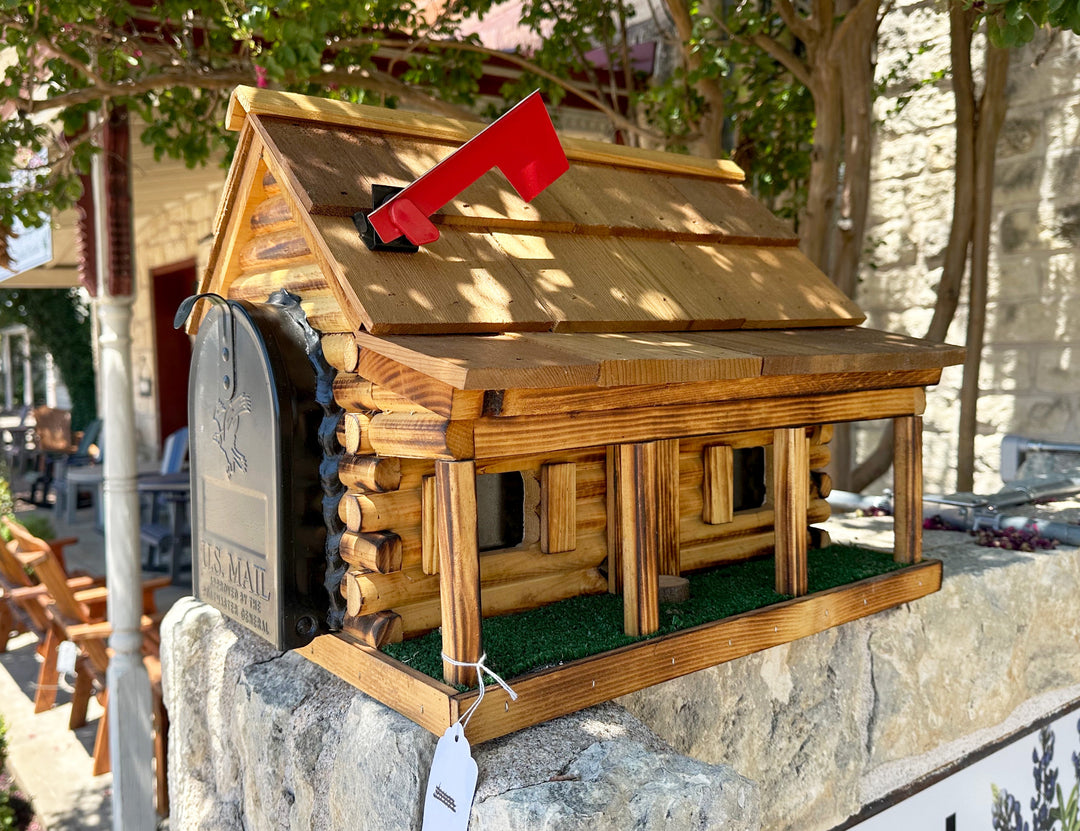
(66, 654)
(451, 783)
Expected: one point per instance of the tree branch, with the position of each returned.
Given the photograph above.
(616, 118)
(51, 50)
(799, 26)
(852, 20)
(785, 57)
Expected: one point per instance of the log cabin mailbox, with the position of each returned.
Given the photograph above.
(582, 398)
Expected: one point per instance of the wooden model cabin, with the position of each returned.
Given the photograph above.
(632, 376)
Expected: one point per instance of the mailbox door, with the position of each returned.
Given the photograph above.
(258, 536)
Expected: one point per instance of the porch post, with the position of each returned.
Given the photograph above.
(130, 744)
(9, 374)
(28, 372)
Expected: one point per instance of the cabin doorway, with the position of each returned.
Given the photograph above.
(172, 348)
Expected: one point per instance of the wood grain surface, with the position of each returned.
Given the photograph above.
(570, 687)
(459, 569)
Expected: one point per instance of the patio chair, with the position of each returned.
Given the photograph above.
(163, 528)
(78, 616)
(22, 598)
(56, 454)
(15, 438)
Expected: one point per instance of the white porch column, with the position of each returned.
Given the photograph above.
(9, 373)
(28, 372)
(130, 740)
(50, 381)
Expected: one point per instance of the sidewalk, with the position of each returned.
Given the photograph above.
(50, 763)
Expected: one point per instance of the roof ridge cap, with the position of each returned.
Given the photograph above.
(247, 100)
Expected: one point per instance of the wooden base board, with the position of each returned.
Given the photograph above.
(573, 686)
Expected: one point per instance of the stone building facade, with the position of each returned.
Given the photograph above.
(180, 234)
(1030, 378)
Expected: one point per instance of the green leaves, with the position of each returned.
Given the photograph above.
(1012, 23)
(1067, 811)
(60, 320)
(175, 62)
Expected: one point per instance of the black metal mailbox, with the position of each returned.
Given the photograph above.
(257, 530)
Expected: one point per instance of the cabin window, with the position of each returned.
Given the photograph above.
(748, 485)
(500, 510)
(507, 514)
(733, 481)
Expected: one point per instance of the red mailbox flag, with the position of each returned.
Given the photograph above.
(522, 144)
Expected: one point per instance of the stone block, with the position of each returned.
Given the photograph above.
(1024, 321)
(1044, 415)
(262, 739)
(1064, 168)
(941, 152)
(902, 157)
(931, 195)
(383, 763)
(1067, 222)
(929, 110)
(887, 195)
(1050, 61)
(892, 687)
(767, 711)
(1019, 135)
(939, 468)
(1019, 230)
(1062, 275)
(1006, 370)
(1017, 278)
(890, 245)
(620, 784)
(1063, 126)
(1018, 180)
(1057, 368)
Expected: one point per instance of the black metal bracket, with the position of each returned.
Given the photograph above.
(380, 194)
(227, 357)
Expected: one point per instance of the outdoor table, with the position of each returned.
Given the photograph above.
(176, 489)
(15, 439)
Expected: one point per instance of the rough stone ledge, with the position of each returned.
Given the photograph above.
(261, 739)
(835, 721)
(818, 728)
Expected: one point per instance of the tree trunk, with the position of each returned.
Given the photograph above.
(711, 126)
(816, 223)
(961, 24)
(992, 108)
(851, 57)
(852, 52)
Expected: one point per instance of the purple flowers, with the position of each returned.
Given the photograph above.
(1012, 539)
(1045, 814)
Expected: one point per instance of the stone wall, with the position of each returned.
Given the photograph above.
(1030, 380)
(796, 737)
(180, 233)
(261, 739)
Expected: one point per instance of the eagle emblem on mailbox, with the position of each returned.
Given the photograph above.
(227, 418)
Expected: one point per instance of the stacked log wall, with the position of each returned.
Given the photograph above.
(392, 586)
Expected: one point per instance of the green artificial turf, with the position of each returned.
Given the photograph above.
(583, 626)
